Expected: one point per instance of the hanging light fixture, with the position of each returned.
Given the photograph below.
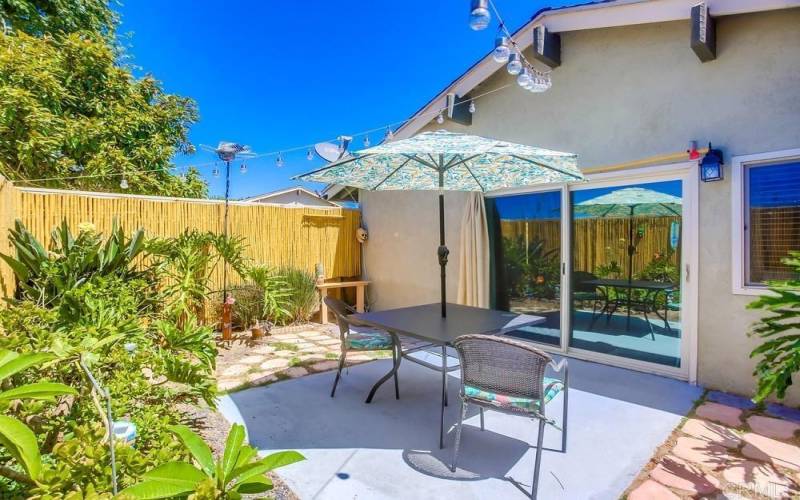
(215, 171)
(514, 64)
(366, 141)
(243, 168)
(123, 183)
(440, 118)
(471, 106)
(309, 155)
(479, 16)
(501, 50)
(279, 160)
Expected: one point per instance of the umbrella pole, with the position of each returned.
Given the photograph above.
(631, 250)
(442, 252)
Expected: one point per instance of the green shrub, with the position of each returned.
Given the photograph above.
(303, 299)
(780, 330)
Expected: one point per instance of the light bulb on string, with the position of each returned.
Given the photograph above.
(309, 155)
(479, 17)
(123, 183)
(524, 78)
(243, 168)
(514, 64)
(501, 51)
(366, 141)
(471, 106)
(215, 170)
(279, 160)
(389, 135)
(440, 118)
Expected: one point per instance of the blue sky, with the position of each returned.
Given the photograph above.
(276, 75)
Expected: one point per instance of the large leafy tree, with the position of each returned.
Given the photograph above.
(72, 114)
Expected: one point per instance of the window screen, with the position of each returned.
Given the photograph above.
(773, 213)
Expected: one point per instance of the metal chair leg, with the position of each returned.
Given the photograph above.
(461, 415)
(482, 427)
(339, 371)
(396, 355)
(538, 463)
(564, 417)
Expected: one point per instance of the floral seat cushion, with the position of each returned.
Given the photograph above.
(552, 386)
(369, 340)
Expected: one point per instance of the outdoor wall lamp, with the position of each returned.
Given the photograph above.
(711, 165)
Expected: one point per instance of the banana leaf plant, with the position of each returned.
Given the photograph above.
(238, 472)
(16, 438)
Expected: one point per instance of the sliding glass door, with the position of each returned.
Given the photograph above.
(626, 257)
(525, 233)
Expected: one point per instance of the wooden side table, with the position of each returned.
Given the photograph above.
(323, 288)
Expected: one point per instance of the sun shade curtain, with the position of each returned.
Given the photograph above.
(473, 266)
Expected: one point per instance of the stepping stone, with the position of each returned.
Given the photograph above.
(725, 398)
(784, 412)
(261, 378)
(296, 371)
(227, 385)
(285, 354)
(318, 338)
(676, 473)
(251, 360)
(724, 414)
(773, 427)
(651, 490)
(702, 452)
(759, 478)
(714, 433)
(330, 342)
(235, 370)
(264, 349)
(359, 357)
(324, 366)
(770, 450)
(275, 363)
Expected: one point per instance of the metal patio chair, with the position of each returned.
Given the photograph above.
(587, 292)
(362, 339)
(509, 376)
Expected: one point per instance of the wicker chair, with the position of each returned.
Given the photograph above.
(509, 376)
(361, 340)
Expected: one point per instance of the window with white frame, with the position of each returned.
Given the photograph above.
(768, 190)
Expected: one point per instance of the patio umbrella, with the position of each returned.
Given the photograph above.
(630, 203)
(447, 161)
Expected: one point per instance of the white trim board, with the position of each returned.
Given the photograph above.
(738, 216)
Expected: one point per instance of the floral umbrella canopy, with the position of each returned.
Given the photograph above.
(447, 161)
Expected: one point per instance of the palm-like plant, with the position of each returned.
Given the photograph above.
(275, 293)
(16, 437)
(780, 353)
(238, 472)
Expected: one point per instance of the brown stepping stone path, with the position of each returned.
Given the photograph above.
(679, 474)
(324, 366)
(772, 427)
(296, 371)
(275, 363)
(651, 490)
(770, 450)
(759, 478)
(235, 370)
(724, 414)
(702, 452)
(715, 433)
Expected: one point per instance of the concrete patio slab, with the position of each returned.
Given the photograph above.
(389, 449)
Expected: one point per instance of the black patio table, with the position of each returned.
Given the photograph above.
(651, 288)
(425, 323)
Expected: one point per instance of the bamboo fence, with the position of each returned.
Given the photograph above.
(597, 242)
(275, 235)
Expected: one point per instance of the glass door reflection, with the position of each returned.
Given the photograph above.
(525, 234)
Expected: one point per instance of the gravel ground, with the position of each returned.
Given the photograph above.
(213, 427)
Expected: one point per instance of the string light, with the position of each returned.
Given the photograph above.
(279, 160)
(471, 107)
(506, 51)
(123, 183)
(366, 141)
(440, 118)
(215, 170)
(309, 155)
(243, 168)
(389, 135)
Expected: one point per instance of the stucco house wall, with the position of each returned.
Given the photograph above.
(623, 94)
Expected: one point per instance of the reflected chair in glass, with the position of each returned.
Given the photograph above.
(587, 292)
(506, 375)
(355, 338)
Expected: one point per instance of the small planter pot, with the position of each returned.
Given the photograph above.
(257, 332)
